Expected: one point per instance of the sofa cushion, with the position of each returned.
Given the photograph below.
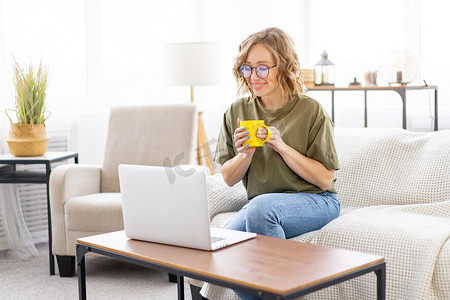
(392, 166)
(223, 198)
(100, 212)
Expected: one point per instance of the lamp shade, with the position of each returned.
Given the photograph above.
(399, 65)
(190, 63)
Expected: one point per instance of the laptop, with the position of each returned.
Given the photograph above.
(169, 205)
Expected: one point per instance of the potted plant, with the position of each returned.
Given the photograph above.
(28, 137)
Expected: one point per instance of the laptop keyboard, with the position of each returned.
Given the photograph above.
(216, 239)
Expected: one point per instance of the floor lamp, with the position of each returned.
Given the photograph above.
(192, 64)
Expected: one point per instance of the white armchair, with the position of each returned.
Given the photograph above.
(85, 199)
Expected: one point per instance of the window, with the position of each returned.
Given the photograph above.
(52, 31)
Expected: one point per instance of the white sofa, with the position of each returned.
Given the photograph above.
(394, 190)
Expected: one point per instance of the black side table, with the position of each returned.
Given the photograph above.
(9, 174)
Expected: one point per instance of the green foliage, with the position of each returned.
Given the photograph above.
(30, 87)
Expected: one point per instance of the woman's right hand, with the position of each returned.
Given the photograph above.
(234, 169)
(240, 140)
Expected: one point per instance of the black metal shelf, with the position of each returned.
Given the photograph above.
(23, 177)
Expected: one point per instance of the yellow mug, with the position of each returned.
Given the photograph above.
(252, 127)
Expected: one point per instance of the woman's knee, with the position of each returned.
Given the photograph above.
(261, 207)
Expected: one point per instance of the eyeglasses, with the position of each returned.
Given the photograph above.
(262, 71)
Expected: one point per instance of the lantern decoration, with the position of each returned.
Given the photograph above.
(324, 71)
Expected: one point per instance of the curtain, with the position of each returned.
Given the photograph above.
(20, 242)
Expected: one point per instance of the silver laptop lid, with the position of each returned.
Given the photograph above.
(165, 205)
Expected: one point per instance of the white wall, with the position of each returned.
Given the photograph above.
(103, 53)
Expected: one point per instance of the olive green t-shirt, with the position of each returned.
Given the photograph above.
(303, 124)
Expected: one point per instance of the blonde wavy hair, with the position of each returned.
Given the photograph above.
(280, 44)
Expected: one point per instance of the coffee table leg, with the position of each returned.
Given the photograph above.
(81, 251)
(381, 283)
(180, 285)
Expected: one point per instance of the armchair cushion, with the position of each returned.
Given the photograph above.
(100, 212)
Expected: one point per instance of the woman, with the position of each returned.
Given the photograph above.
(289, 181)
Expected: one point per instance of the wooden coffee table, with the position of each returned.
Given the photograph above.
(268, 267)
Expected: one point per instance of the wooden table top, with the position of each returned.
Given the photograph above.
(265, 263)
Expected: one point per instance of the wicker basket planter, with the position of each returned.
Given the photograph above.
(27, 139)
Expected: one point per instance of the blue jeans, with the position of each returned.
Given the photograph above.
(285, 215)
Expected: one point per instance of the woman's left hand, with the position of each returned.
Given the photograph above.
(275, 138)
